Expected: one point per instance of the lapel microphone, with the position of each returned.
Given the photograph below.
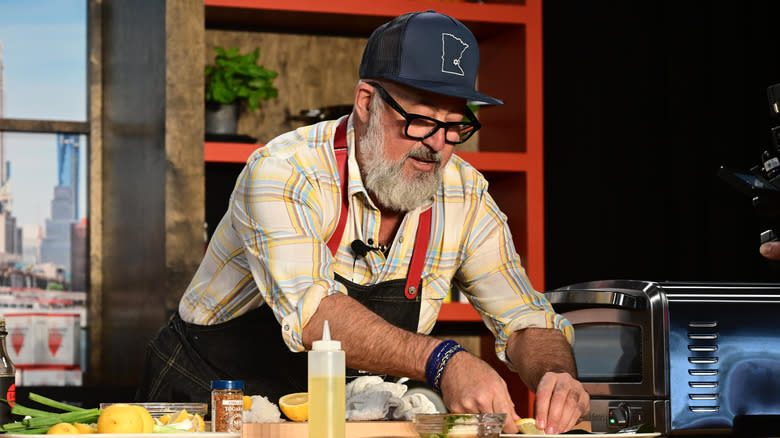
(361, 249)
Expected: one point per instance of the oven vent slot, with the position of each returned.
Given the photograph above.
(713, 396)
(703, 360)
(707, 348)
(703, 385)
(703, 324)
(704, 409)
(697, 372)
(703, 337)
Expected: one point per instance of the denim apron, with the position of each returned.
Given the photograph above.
(183, 358)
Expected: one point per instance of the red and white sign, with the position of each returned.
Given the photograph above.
(44, 339)
(50, 376)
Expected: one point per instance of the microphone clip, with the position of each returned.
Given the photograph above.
(361, 249)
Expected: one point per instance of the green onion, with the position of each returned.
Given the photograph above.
(82, 416)
(40, 430)
(54, 403)
(25, 411)
(158, 428)
(40, 421)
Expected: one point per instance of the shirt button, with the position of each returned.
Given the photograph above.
(370, 241)
(286, 327)
(401, 239)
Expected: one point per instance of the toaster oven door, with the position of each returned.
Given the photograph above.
(613, 352)
(613, 342)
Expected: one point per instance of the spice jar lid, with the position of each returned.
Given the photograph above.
(227, 384)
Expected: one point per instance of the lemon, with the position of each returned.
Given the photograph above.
(247, 402)
(163, 419)
(528, 426)
(295, 406)
(198, 423)
(63, 429)
(180, 416)
(120, 418)
(85, 428)
(146, 418)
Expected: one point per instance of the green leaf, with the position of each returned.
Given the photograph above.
(238, 77)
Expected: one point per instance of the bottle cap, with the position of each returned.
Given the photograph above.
(326, 344)
(227, 384)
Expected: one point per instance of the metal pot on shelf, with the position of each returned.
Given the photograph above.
(222, 118)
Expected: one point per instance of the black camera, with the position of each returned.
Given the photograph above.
(762, 182)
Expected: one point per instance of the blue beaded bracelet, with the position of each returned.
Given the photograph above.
(437, 362)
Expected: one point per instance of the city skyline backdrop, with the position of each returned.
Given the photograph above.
(44, 58)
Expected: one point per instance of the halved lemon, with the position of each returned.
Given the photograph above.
(85, 428)
(180, 416)
(528, 426)
(198, 424)
(295, 406)
(63, 429)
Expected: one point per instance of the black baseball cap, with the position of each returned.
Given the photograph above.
(429, 51)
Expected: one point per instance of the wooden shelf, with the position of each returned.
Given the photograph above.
(219, 152)
(354, 17)
(458, 312)
(496, 161)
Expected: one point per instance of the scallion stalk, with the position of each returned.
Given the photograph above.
(53, 403)
(82, 416)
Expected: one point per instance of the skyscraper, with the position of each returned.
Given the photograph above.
(68, 166)
(10, 235)
(5, 192)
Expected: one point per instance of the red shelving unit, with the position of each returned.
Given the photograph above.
(218, 152)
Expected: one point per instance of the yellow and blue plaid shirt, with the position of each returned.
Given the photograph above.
(270, 247)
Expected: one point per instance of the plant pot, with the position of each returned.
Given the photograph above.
(222, 118)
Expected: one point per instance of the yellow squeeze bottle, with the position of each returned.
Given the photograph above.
(327, 399)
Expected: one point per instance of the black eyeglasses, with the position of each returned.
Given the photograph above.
(420, 127)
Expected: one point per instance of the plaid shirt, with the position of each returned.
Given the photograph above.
(270, 247)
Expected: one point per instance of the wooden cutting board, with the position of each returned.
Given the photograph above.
(354, 429)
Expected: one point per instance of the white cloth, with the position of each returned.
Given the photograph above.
(371, 398)
(413, 404)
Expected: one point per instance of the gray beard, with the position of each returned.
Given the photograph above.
(383, 178)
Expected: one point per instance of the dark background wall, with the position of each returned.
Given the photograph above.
(643, 102)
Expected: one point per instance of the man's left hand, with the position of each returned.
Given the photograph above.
(561, 401)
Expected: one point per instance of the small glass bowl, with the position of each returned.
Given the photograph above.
(459, 425)
(159, 409)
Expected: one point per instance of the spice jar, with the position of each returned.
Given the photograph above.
(227, 405)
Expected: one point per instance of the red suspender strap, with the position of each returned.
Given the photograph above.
(418, 256)
(340, 148)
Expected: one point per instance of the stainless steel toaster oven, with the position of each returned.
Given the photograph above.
(686, 357)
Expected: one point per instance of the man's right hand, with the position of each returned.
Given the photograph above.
(470, 385)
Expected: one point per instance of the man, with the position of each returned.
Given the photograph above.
(371, 242)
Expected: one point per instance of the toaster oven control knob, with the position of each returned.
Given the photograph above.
(619, 415)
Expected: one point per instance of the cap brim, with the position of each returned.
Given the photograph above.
(472, 96)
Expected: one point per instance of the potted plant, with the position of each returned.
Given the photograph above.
(232, 79)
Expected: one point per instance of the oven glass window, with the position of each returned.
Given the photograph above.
(608, 352)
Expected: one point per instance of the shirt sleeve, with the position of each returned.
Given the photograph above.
(284, 213)
(494, 281)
